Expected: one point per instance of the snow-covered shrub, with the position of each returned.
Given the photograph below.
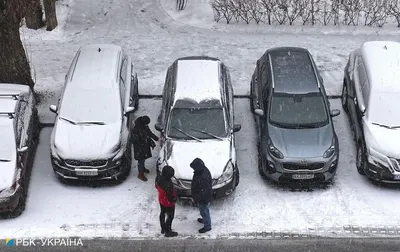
(223, 8)
(257, 12)
(394, 10)
(352, 10)
(280, 9)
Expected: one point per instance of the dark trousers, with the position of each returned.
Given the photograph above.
(205, 214)
(141, 165)
(170, 213)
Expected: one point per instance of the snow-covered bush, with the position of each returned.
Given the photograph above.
(347, 12)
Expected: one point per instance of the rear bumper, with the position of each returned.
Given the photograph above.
(223, 191)
(107, 173)
(10, 202)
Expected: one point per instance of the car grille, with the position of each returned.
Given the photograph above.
(188, 183)
(298, 166)
(93, 163)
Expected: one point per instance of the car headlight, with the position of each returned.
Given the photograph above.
(228, 172)
(274, 151)
(117, 159)
(378, 157)
(331, 150)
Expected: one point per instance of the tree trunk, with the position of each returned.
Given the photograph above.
(14, 66)
(34, 16)
(50, 12)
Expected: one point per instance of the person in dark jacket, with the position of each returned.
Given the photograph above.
(167, 196)
(202, 192)
(143, 138)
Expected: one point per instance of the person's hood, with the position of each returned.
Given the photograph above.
(197, 165)
(180, 154)
(167, 172)
(86, 142)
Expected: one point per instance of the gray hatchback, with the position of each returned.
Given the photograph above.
(296, 137)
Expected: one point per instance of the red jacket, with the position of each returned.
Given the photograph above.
(163, 198)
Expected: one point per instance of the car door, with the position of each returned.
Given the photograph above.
(134, 91)
(22, 136)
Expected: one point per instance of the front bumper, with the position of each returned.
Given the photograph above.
(310, 170)
(10, 202)
(220, 192)
(382, 174)
(107, 172)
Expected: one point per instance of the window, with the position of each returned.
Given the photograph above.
(123, 78)
(298, 110)
(363, 80)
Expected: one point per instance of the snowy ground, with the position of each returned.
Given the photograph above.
(154, 40)
(131, 208)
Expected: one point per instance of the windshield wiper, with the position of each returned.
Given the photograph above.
(5, 160)
(386, 126)
(91, 123)
(186, 134)
(209, 134)
(67, 120)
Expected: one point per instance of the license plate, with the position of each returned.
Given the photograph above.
(92, 172)
(303, 176)
(397, 177)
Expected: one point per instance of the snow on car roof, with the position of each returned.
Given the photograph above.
(382, 60)
(96, 67)
(7, 104)
(198, 80)
(6, 88)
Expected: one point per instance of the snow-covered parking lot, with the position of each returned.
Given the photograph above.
(131, 209)
(154, 40)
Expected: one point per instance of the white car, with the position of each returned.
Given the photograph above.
(19, 131)
(197, 120)
(371, 97)
(92, 126)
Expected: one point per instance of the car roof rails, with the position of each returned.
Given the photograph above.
(14, 96)
(10, 114)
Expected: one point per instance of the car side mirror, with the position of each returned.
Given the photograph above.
(237, 127)
(129, 110)
(259, 112)
(158, 127)
(22, 149)
(53, 108)
(335, 112)
(362, 109)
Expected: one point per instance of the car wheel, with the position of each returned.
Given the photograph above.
(126, 164)
(261, 164)
(20, 207)
(360, 159)
(237, 176)
(344, 95)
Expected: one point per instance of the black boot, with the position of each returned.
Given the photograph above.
(171, 234)
(203, 230)
(200, 220)
(162, 231)
(146, 170)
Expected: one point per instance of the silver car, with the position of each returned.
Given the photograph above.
(296, 137)
(197, 120)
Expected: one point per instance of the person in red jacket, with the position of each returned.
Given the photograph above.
(167, 197)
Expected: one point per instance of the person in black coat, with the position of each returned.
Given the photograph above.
(202, 192)
(142, 138)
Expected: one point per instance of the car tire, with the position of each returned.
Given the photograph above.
(261, 164)
(237, 176)
(344, 95)
(360, 159)
(126, 164)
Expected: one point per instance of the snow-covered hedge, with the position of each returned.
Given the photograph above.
(347, 12)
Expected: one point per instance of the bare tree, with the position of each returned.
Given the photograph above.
(375, 12)
(335, 11)
(224, 8)
(14, 66)
(34, 15)
(243, 10)
(216, 11)
(50, 12)
(257, 11)
(394, 10)
(268, 7)
(352, 10)
(294, 9)
(280, 10)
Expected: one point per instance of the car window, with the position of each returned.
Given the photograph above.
(194, 120)
(363, 80)
(21, 121)
(299, 110)
(123, 78)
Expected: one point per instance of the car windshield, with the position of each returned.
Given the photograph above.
(298, 110)
(381, 110)
(193, 121)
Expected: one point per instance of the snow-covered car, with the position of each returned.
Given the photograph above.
(19, 130)
(371, 98)
(91, 135)
(197, 120)
(297, 142)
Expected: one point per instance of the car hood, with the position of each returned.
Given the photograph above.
(86, 142)
(383, 140)
(301, 143)
(8, 154)
(215, 155)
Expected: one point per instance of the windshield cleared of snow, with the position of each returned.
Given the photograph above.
(91, 106)
(288, 110)
(383, 109)
(194, 120)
